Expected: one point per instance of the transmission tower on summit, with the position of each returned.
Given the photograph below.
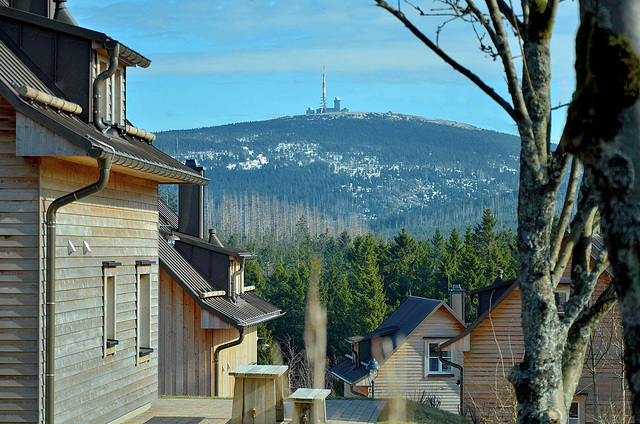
(323, 100)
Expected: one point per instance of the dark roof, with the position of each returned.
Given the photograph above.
(127, 54)
(225, 250)
(166, 214)
(394, 331)
(347, 372)
(249, 309)
(127, 151)
(510, 285)
(403, 320)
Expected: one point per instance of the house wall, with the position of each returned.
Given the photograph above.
(497, 345)
(403, 373)
(19, 278)
(119, 224)
(186, 350)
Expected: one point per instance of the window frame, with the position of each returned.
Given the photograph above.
(443, 369)
(143, 310)
(109, 307)
(576, 419)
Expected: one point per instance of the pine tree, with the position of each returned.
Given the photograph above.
(369, 305)
(336, 297)
(400, 268)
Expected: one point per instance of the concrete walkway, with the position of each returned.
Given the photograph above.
(218, 411)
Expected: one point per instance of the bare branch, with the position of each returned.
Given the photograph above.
(579, 335)
(510, 16)
(501, 41)
(464, 71)
(586, 215)
(567, 208)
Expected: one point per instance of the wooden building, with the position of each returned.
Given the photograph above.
(78, 224)
(404, 346)
(493, 344)
(208, 316)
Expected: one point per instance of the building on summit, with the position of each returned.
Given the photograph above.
(323, 101)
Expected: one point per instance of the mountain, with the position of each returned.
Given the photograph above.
(390, 170)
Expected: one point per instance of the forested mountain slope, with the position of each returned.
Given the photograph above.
(388, 170)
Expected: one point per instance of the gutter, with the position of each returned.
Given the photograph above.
(104, 163)
(216, 357)
(461, 369)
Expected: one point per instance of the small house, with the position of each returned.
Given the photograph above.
(208, 315)
(404, 346)
(493, 344)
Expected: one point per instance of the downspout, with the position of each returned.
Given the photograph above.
(113, 50)
(104, 163)
(216, 358)
(461, 369)
(355, 392)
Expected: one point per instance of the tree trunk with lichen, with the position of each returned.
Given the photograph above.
(538, 380)
(603, 129)
(555, 347)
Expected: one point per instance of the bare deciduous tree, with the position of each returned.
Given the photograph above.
(602, 133)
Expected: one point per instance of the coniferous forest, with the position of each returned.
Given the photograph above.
(363, 278)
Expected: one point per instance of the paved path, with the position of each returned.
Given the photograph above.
(218, 411)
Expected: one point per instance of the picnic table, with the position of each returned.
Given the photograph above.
(258, 394)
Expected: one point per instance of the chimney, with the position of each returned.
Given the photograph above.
(456, 300)
(62, 13)
(191, 205)
(213, 239)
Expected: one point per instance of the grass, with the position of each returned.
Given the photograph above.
(424, 414)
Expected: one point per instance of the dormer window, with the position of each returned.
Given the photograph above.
(113, 103)
(237, 276)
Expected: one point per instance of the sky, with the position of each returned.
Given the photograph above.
(217, 62)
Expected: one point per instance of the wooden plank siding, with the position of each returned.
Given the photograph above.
(186, 360)
(19, 278)
(497, 345)
(403, 373)
(119, 224)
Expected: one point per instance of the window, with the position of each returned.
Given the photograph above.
(143, 299)
(574, 413)
(561, 298)
(433, 365)
(113, 103)
(109, 308)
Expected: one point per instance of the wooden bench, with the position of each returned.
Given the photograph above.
(309, 406)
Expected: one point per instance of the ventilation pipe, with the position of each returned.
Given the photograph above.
(62, 13)
(113, 50)
(216, 358)
(104, 163)
(213, 238)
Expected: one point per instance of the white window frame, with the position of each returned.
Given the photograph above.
(577, 418)
(143, 308)
(114, 101)
(109, 306)
(443, 369)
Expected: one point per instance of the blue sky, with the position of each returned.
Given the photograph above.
(223, 61)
